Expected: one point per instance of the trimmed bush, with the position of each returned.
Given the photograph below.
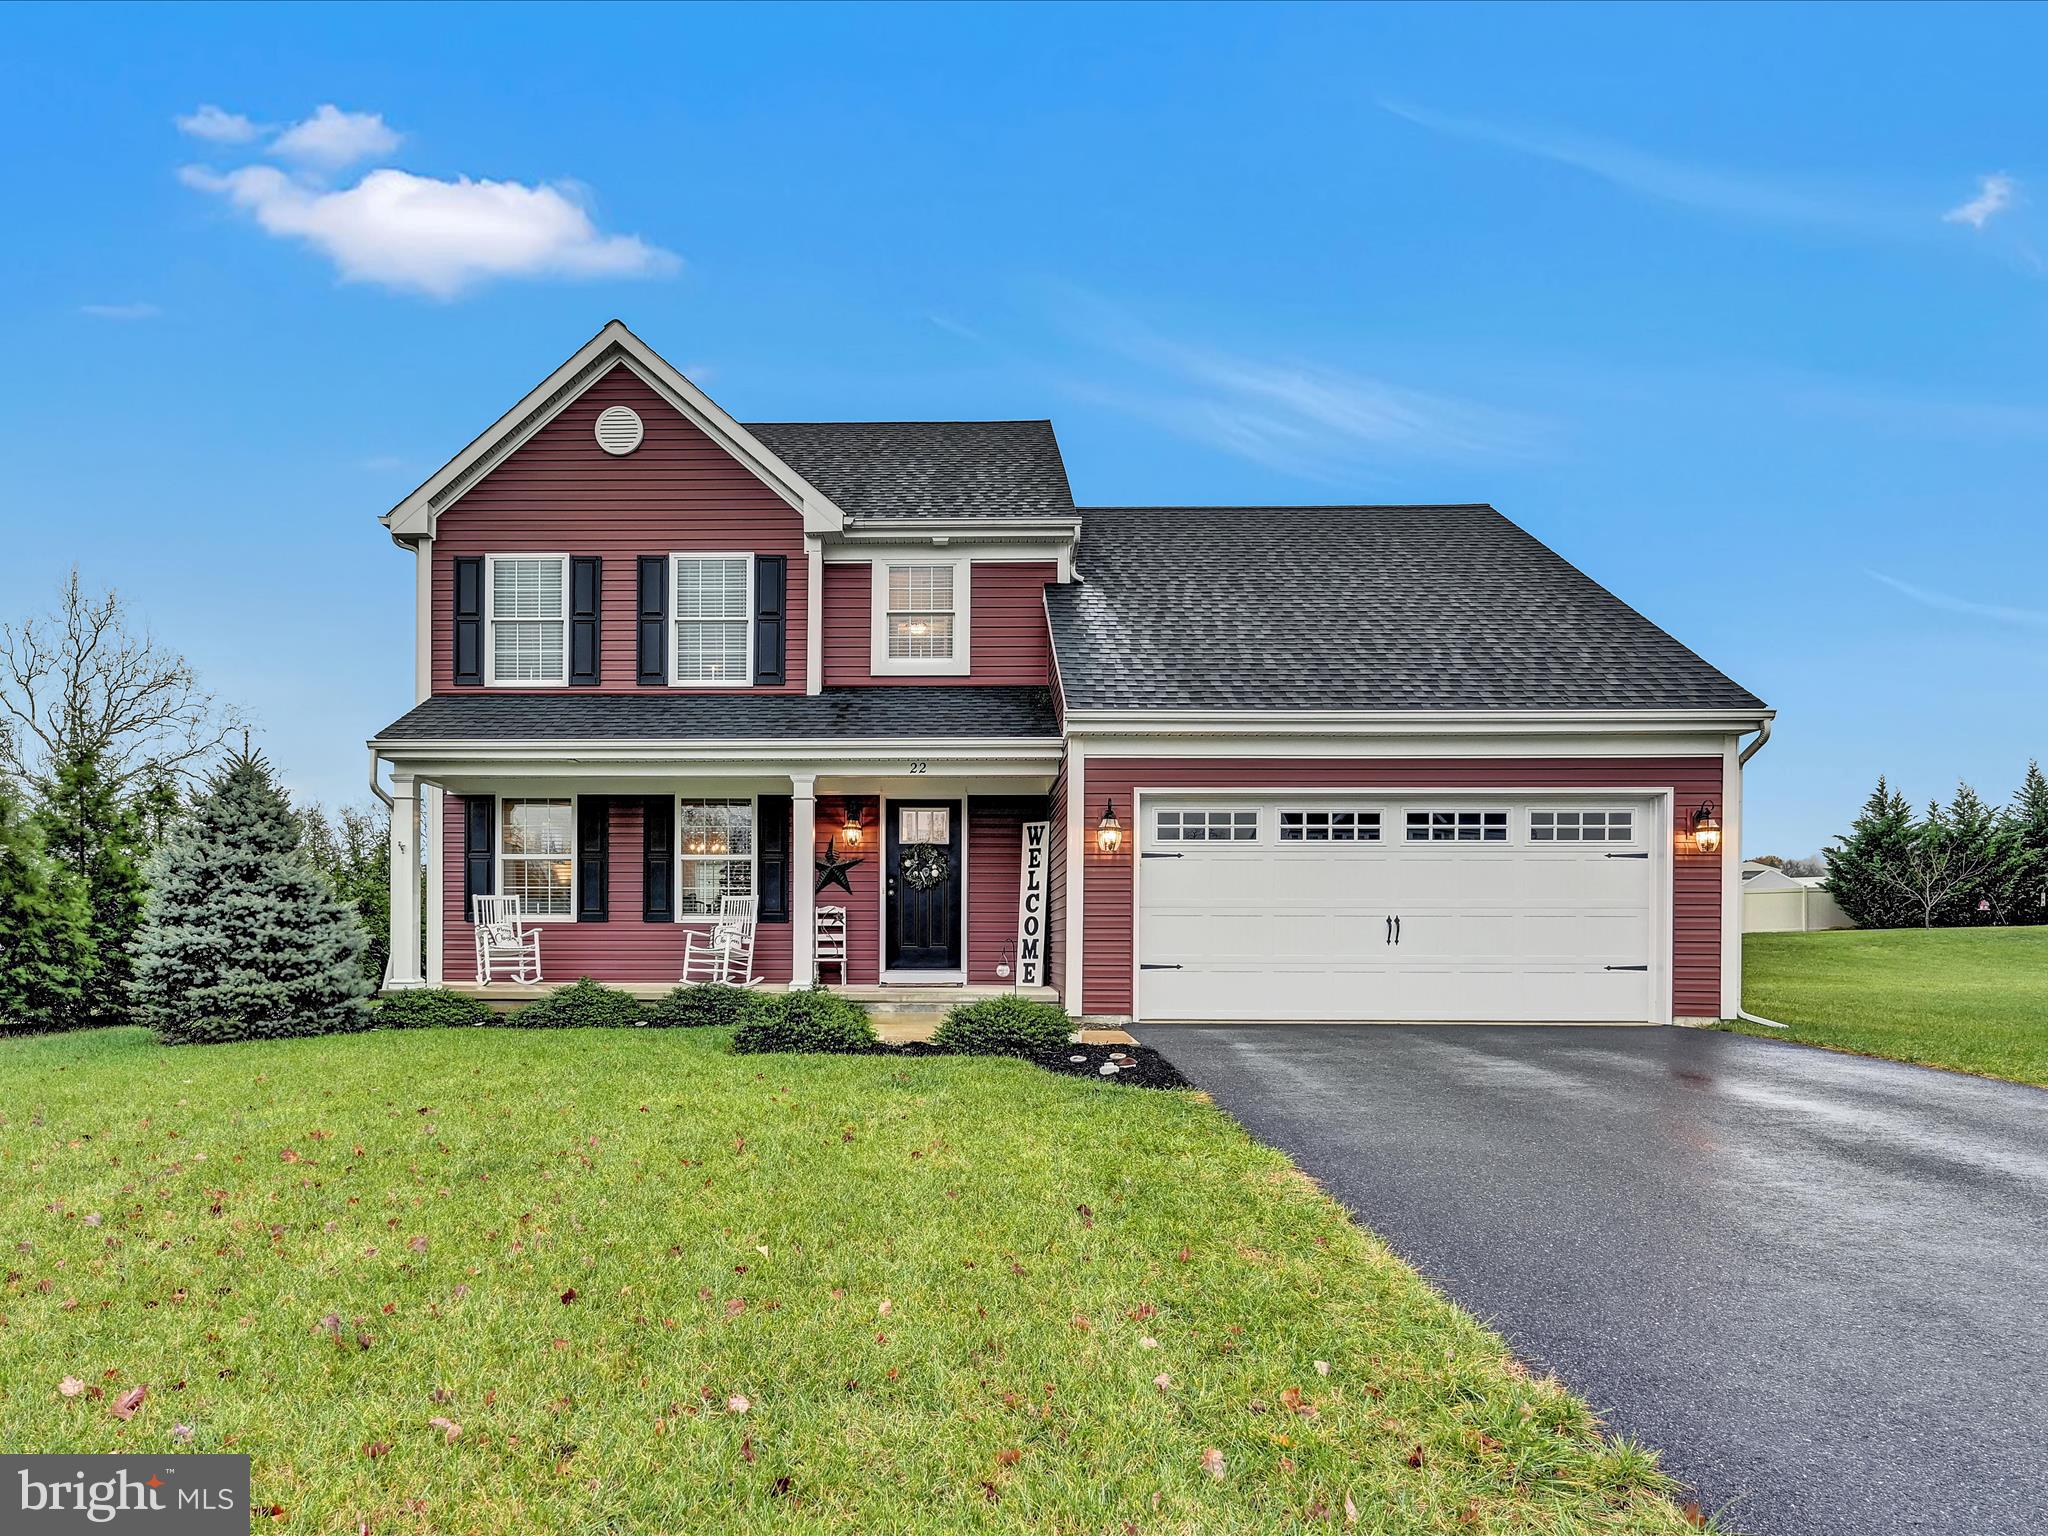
(810, 1020)
(585, 1005)
(1004, 1026)
(431, 1008)
(703, 1004)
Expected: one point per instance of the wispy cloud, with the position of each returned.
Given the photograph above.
(1302, 417)
(953, 327)
(219, 126)
(1673, 181)
(332, 138)
(120, 311)
(2032, 618)
(383, 463)
(1995, 194)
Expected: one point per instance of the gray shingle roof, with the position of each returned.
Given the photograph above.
(895, 713)
(1353, 608)
(927, 468)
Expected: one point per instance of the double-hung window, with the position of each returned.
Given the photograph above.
(714, 620)
(715, 852)
(921, 616)
(537, 855)
(528, 617)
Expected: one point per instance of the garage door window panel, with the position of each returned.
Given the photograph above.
(1197, 824)
(1582, 826)
(1457, 826)
(1316, 825)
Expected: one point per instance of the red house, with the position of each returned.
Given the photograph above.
(1281, 762)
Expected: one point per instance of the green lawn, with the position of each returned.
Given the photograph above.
(931, 1281)
(1975, 999)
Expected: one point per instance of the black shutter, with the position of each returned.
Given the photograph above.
(593, 858)
(652, 603)
(586, 591)
(774, 838)
(479, 867)
(469, 624)
(771, 618)
(658, 852)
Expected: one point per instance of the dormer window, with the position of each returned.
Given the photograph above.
(920, 617)
(528, 619)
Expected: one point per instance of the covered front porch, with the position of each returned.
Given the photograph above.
(937, 876)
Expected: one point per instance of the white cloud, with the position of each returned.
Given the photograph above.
(435, 237)
(120, 311)
(2004, 614)
(332, 138)
(1994, 195)
(219, 126)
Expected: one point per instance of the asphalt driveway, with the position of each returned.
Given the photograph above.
(1818, 1284)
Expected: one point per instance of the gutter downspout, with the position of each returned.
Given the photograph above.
(385, 795)
(1763, 735)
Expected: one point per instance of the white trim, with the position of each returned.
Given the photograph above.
(746, 620)
(402, 963)
(1142, 723)
(415, 516)
(1562, 742)
(814, 614)
(423, 620)
(491, 621)
(851, 549)
(802, 896)
(1731, 878)
(1074, 876)
(498, 853)
(753, 803)
(1663, 854)
(880, 662)
(437, 879)
(958, 975)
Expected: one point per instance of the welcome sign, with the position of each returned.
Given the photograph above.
(1031, 907)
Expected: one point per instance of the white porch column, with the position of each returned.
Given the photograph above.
(403, 968)
(803, 837)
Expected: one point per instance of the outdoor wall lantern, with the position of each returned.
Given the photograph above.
(1706, 828)
(849, 830)
(1109, 832)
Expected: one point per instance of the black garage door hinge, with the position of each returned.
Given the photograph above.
(1628, 855)
(1628, 967)
(1144, 967)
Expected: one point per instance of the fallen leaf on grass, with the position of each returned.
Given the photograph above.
(739, 1402)
(71, 1386)
(377, 1448)
(1693, 1514)
(1148, 1343)
(1009, 1458)
(569, 1295)
(1416, 1458)
(1322, 1367)
(1212, 1463)
(450, 1430)
(1162, 1381)
(747, 1449)
(886, 1307)
(1292, 1400)
(126, 1404)
(1350, 1511)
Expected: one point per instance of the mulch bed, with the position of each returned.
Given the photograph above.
(1136, 1066)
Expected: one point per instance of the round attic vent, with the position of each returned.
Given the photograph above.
(618, 429)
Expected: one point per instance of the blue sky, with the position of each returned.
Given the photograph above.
(1741, 310)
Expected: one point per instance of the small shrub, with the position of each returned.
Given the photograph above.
(810, 1020)
(1004, 1026)
(585, 1005)
(703, 1004)
(431, 1008)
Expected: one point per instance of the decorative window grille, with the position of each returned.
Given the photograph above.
(1457, 826)
(1319, 826)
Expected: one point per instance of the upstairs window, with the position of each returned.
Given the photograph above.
(714, 620)
(528, 618)
(920, 616)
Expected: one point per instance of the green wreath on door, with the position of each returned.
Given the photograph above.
(925, 866)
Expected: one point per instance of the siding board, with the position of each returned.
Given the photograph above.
(1008, 644)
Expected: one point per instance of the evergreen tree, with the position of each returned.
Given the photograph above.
(97, 836)
(2023, 892)
(1977, 852)
(244, 938)
(1862, 865)
(352, 849)
(43, 943)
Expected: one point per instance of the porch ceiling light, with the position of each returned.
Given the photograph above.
(1706, 828)
(1109, 832)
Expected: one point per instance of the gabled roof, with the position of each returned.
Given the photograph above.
(612, 347)
(902, 712)
(928, 469)
(1354, 608)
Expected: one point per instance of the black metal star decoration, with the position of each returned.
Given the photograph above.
(832, 868)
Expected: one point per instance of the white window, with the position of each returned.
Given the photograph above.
(1191, 825)
(921, 616)
(715, 854)
(1457, 826)
(1582, 826)
(1329, 826)
(714, 620)
(924, 824)
(528, 616)
(537, 855)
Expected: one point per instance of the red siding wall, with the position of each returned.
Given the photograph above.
(562, 494)
(995, 852)
(1008, 641)
(863, 905)
(623, 949)
(1696, 878)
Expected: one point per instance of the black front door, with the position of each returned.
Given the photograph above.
(924, 886)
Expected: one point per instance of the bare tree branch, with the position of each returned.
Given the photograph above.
(82, 676)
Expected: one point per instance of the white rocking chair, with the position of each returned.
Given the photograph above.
(726, 953)
(831, 942)
(505, 941)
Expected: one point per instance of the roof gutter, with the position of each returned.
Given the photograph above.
(1763, 734)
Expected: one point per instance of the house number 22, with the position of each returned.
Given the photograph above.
(920, 767)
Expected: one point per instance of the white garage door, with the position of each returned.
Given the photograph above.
(1392, 907)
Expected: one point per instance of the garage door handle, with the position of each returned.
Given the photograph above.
(1628, 967)
(1144, 967)
(1162, 855)
(1628, 855)
(1397, 932)
(1390, 930)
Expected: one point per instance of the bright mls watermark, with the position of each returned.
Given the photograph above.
(163, 1495)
